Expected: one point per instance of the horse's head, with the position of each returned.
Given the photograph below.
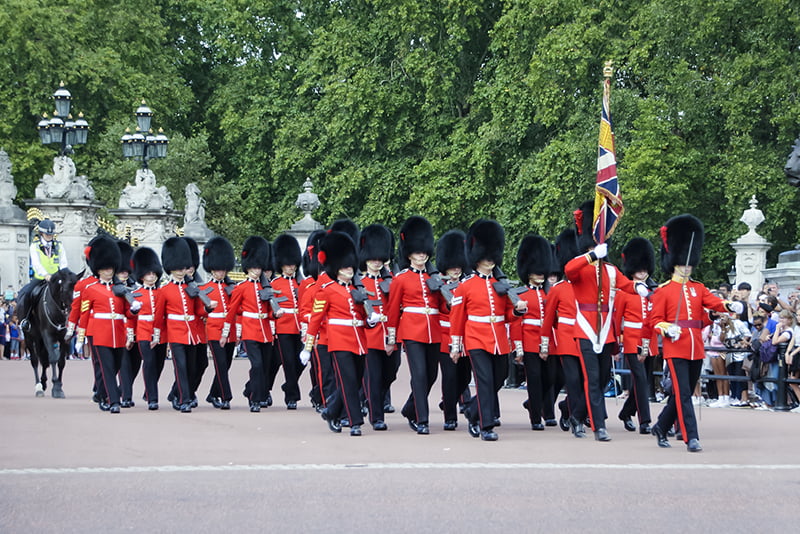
(61, 285)
(792, 168)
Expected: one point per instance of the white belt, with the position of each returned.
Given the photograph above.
(254, 315)
(217, 315)
(486, 318)
(145, 317)
(444, 324)
(346, 322)
(179, 317)
(419, 309)
(114, 316)
(566, 320)
(534, 322)
(289, 310)
(629, 324)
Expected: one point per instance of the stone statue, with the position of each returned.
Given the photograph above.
(145, 194)
(64, 183)
(8, 191)
(307, 201)
(792, 167)
(752, 217)
(195, 212)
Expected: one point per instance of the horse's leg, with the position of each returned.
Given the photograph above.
(58, 371)
(38, 390)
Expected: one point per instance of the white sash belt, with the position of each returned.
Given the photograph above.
(112, 316)
(566, 320)
(346, 322)
(444, 324)
(145, 317)
(254, 315)
(217, 315)
(534, 322)
(179, 317)
(486, 318)
(598, 338)
(422, 310)
(630, 324)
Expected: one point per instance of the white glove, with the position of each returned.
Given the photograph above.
(544, 348)
(520, 352)
(601, 250)
(674, 332)
(305, 356)
(78, 347)
(736, 307)
(136, 306)
(69, 332)
(374, 318)
(641, 289)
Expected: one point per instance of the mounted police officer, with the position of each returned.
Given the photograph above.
(47, 257)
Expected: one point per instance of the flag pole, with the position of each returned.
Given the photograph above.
(608, 73)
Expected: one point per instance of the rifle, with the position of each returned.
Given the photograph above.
(504, 288)
(193, 290)
(267, 293)
(361, 296)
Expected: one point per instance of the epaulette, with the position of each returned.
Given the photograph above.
(326, 284)
(469, 277)
(404, 270)
(664, 283)
(563, 280)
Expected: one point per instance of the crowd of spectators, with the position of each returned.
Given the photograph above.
(12, 340)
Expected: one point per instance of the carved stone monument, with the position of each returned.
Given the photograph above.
(751, 249)
(307, 201)
(68, 200)
(148, 210)
(194, 216)
(14, 231)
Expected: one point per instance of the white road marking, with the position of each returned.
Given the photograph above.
(389, 466)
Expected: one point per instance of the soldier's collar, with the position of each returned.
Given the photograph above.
(680, 278)
(414, 270)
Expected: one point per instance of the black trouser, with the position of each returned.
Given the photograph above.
(597, 371)
(349, 372)
(98, 386)
(638, 400)
(260, 356)
(536, 379)
(377, 373)
(323, 369)
(423, 363)
(455, 379)
(554, 375)
(573, 380)
(735, 369)
(490, 372)
(110, 359)
(200, 366)
(129, 368)
(288, 349)
(685, 374)
(152, 365)
(394, 366)
(27, 296)
(223, 357)
(183, 360)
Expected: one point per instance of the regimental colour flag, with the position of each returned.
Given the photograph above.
(608, 208)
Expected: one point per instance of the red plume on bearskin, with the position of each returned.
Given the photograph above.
(145, 260)
(682, 230)
(664, 238)
(583, 226)
(451, 251)
(534, 256)
(485, 241)
(256, 254)
(218, 255)
(638, 255)
(416, 235)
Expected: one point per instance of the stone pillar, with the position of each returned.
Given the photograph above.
(751, 249)
(68, 200)
(786, 273)
(307, 201)
(14, 232)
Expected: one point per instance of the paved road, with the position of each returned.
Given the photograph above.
(67, 467)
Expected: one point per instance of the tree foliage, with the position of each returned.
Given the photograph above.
(455, 110)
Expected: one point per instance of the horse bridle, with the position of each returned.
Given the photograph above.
(47, 314)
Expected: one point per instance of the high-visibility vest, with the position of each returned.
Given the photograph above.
(50, 263)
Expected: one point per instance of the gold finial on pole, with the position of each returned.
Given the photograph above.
(608, 70)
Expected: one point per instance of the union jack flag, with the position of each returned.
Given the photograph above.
(608, 208)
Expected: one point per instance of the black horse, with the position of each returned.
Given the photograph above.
(792, 167)
(48, 322)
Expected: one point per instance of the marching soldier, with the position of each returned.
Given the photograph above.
(320, 388)
(413, 312)
(200, 365)
(250, 300)
(478, 320)
(107, 309)
(638, 264)
(131, 358)
(219, 260)
(451, 259)
(287, 262)
(147, 271)
(595, 314)
(375, 250)
(176, 313)
(534, 262)
(679, 313)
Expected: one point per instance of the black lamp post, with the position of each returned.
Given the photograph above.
(143, 144)
(62, 129)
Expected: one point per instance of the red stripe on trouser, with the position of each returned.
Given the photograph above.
(175, 369)
(338, 375)
(318, 366)
(477, 391)
(586, 392)
(676, 392)
(365, 383)
(216, 367)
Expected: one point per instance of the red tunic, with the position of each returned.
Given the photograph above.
(289, 322)
(376, 337)
(529, 329)
(413, 309)
(144, 319)
(559, 320)
(255, 313)
(75, 308)
(216, 319)
(479, 315)
(307, 304)
(107, 311)
(631, 315)
(694, 299)
(177, 313)
(345, 319)
(583, 275)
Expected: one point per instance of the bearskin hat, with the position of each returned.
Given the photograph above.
(376, 243)
(682, 239)
(337, 251)
(176, 254)
(311, 266)
(256, 253)
(218, 255)
(416, 235)
(451, 251)
(485, 241)
(566, 247)
(126, 253)
(638, 255)
(195, 250)
(534, 256)
(287, 251)
(145, 260)
(102, 253)
(348, 227)
(584, 222)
